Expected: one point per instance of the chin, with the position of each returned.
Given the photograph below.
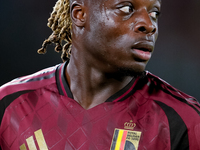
(135, 69)
(134, 72)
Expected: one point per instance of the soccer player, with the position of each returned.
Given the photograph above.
(100, 97)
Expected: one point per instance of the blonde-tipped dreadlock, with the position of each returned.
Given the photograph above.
(61, 25)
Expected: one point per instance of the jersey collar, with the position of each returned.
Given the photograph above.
(64, 89)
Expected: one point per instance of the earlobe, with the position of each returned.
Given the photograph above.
(78, 14)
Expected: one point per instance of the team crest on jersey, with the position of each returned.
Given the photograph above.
(129, 125)
(125, 140)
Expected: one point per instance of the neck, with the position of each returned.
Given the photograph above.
(91, 85)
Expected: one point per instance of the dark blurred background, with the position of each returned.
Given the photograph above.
(176, 57)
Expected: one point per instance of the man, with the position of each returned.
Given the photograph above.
(100, 98)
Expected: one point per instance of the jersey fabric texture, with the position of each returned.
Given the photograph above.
(38, 112)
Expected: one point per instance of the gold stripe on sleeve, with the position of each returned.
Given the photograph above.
(31, 143)
(40, 140)
(23, 147)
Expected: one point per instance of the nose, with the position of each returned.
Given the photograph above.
(144, 24)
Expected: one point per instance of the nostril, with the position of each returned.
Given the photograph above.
(146, 30)
(142, 29)
(154, 30)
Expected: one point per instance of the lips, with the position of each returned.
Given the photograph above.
(143, 50)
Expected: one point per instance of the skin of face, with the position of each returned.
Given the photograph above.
(120, 35)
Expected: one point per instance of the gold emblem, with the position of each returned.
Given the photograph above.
(129, 125)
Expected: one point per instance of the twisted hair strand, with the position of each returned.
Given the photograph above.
(60, 24)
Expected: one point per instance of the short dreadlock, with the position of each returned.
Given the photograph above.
(61, 25)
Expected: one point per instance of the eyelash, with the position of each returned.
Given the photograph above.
(129, 9)
(124, 8)
(155, 15)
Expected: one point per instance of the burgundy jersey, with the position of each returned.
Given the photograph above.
(38, 112)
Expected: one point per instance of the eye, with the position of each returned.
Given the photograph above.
(126, 9)
(154, 14)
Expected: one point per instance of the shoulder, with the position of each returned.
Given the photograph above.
(169, 98)
(29, 82)
(158, 85)
(182, 110)
(19, 87)
(162, 91)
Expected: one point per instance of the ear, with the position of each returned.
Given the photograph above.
(78, 14)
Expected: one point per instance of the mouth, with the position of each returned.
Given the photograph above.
(143, 50)
(144, 46)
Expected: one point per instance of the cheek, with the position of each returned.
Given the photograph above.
(156, 34)
(115, 33)
(119, 37)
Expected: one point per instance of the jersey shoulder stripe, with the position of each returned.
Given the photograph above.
(29, 82)
(17, 87)
(7, 100)
(157, 83)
